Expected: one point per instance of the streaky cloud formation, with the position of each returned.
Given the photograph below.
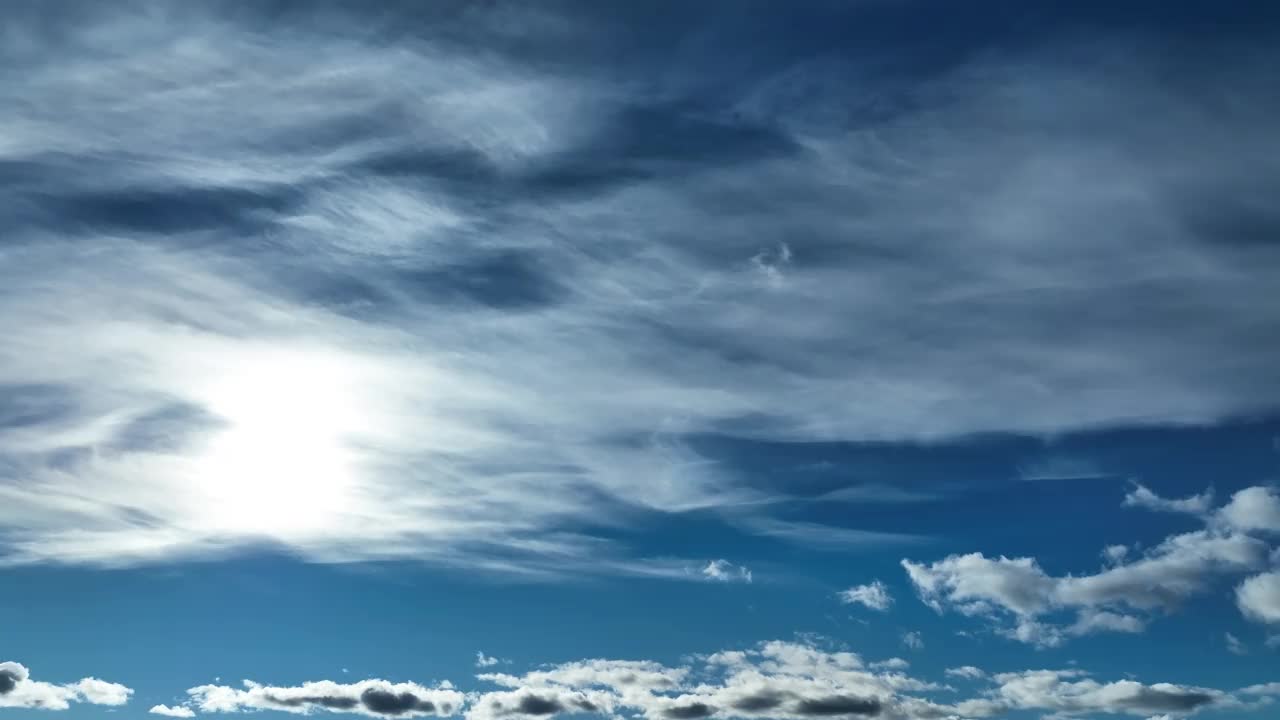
(443, 290)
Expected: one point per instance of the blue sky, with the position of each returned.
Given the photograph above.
(510, 361)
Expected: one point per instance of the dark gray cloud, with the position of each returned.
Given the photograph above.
(1154, 700)
(688, 712)
(9, 679)
(330, 702)
(839, 705)
(759, 702)
(537, 705)
(392, 703)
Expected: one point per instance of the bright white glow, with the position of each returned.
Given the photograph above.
(282, 466)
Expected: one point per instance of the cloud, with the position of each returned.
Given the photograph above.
(773, 679)
(1253, 509)
(1182, 565)
(1234, 646)
(1062, 692)
(913, 640)
(1258, 597)
(779, 679)
(483, 661)
(1141, 496)
(179, 711)
(967, 672)
(17, 689)
(460, 318)
(873, 595)
(375, 698)
(725, 571)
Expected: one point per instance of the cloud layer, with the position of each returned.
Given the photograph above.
(777, 679)
(381, 294)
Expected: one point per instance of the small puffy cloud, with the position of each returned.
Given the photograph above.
(483, 660)
(101, 692)
(1259, 597)
(725, 571)
(873, 595)
(178, 711)
(1115, 554)
(973, 582)
(377, 698)
(1253, 509)
(18, 689)
(1142, 497)
(913, 640)
(967, 672)
(896, 663)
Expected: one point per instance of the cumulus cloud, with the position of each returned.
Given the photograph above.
(442, 279)
(1253, 509)
(1069, 694)
(1020, 591)
(798, 681)
(178, 711)
(873, 595)
(774, 679)
(375, 698)
(19, 690)
(1258, 597)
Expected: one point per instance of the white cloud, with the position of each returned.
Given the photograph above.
(873, 595)
(1253, 509)
(774, 679)
(1258, 597)
(18, 689)
(483, 660)
(1142, 497)
(967, 672)
(1018, 589)
(375, 698)
(1066, 692)
(179, 711)
(292, 299)
(725, 571)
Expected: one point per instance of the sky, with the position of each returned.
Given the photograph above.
(743, 360)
